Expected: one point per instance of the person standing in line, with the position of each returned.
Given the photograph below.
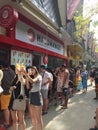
(65, 87)
(96, 83)
(50, 85)
(92, 75)
(71, 82)
(60, 78)
(56, 94)
(35, 98)
(27, 90)
(96, 121)
(1, 76)
(17, 90)
(46, 80)
(84, 75)
(8, 77)
(79, 80)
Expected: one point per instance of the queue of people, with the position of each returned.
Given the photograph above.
(39, 87)
(94, 78)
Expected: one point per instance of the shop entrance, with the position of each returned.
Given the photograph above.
(4, 55)
(37, 60)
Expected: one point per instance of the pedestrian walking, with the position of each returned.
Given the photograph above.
(84, 75)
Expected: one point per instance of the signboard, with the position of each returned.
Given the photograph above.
(21, 57)
(31, 36)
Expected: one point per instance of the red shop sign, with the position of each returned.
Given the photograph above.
(45, 59)
(8, 16)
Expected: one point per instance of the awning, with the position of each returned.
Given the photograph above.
(75, 51)
(75, 48)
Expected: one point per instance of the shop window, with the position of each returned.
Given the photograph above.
(55, 62)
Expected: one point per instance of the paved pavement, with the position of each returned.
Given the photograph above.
(78, 116)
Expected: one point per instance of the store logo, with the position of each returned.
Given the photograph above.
(31, 35)
(8, 16)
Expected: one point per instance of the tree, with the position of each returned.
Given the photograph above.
(82, 22)
(82, 26)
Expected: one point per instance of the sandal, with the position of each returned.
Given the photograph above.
(44, 112)
(63, 107)
(6, 126)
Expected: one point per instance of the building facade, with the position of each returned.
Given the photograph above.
(28, 36)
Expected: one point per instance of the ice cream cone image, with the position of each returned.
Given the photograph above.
(22, 67)
(18, 66)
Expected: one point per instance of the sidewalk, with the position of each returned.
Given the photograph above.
(78, 116)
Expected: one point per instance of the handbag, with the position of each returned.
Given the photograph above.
(19, 104)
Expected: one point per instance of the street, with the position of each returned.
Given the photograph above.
(78, 116)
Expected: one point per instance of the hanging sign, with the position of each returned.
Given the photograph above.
(8, 16)
(45, 59)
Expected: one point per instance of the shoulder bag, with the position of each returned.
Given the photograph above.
(19, 103)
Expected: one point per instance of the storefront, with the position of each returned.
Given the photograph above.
(26, 42)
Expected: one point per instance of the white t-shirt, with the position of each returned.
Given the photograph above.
(45, 78)
(51, 76)
(37, 86)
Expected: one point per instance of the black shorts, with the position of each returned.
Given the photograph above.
(71, 84)
(35, 98)
(65, 92)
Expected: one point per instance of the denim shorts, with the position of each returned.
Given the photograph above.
(35, 98)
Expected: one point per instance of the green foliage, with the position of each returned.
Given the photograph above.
(95, 23)
(81, 25)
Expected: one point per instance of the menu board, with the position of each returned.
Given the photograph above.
(21, 57)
